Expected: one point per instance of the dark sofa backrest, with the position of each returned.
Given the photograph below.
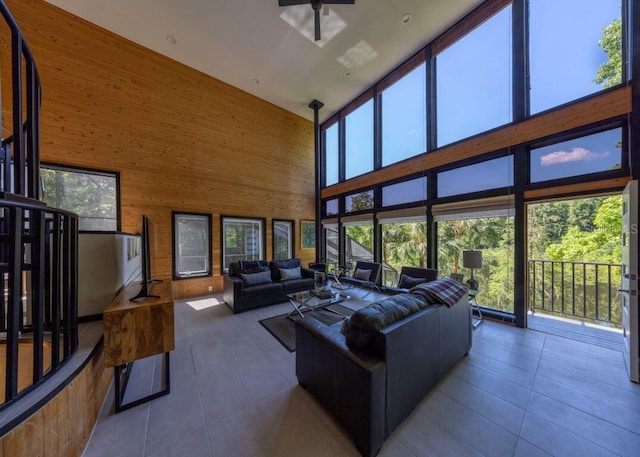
(429, 274)
(375, 268)
(275, 266)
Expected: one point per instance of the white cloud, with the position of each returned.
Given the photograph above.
(576, 155)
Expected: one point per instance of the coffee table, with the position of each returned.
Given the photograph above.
(306, 301)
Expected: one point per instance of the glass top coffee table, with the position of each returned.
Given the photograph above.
(307, 301)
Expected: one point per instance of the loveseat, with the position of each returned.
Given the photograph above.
(371, 372)
(259, 283)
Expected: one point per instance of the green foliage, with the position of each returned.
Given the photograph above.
(610, 73)
(598, 241)
(362, 201)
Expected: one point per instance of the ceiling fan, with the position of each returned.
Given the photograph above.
(317, 6)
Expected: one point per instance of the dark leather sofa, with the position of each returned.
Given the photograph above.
(371, 389)
(240, 294)
(411, 276)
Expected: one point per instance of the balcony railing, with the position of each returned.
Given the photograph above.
(584, 290)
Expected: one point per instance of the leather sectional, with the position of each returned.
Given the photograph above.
(371, 382)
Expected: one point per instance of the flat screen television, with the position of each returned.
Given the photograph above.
(145, 261)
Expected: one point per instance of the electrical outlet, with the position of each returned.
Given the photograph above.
(210, 288)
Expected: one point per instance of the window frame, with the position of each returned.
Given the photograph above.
(175, 215)
(92, 171)
(292, 240)
(263, 236)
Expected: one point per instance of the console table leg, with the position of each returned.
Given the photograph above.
(121, 385)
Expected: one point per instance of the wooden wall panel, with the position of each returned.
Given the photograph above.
(181, 140)
(61, 428)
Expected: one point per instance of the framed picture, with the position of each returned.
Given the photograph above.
(307, 234)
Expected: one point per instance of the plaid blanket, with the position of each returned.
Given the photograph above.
(447, 291)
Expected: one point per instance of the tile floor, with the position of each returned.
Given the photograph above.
(234, 393)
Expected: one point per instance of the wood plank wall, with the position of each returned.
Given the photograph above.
(62, 427)
(181, 140)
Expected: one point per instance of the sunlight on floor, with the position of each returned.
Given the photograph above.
(204, 303)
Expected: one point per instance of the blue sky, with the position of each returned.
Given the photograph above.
(474, 87)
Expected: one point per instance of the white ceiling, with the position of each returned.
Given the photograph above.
(247, 44)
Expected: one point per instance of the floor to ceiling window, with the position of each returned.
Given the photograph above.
(575, 49)
(404, 117)
(473, 81)
(359, 141)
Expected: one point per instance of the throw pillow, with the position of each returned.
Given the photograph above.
(407, 282)
(290, 273)
(252, 279)
(362, 274)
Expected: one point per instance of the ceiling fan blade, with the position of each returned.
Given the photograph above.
(339, 2)
(292, 2)
(317, 24)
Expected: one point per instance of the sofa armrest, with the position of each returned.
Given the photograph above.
(233, 290)
(349, 384)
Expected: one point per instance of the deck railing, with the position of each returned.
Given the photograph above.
(584, 290)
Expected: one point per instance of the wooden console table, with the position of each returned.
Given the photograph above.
(136, 330)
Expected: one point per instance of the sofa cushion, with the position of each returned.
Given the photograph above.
(407, 282)
(290, 273)
(362, 274)
(362, 325)
(252, 279)
(263, 289)
(297, 284)
(275, 266)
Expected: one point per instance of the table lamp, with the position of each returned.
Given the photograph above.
(472, 259)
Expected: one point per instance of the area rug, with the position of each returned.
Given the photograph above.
(283, 327)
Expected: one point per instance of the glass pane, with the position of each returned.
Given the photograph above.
(474, 81)
(404, 117)
(242, 240)
(403, 244)
(490, 174)
(359, 243)
(575, 49)
(331, 207)
(494, 237)
(359, 141)
(192, 245)
(405, 192)
(90, 195)
(587, 154)
(574, 259)
(359, 202)
(282, 240)
(331, 155)
(331, 246)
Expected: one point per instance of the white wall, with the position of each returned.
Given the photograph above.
(104, 268)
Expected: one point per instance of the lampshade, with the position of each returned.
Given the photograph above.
(472, 259)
